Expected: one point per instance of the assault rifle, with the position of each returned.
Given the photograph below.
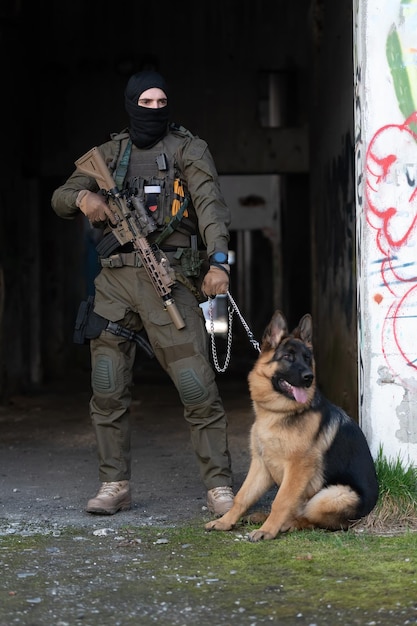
(128, 229)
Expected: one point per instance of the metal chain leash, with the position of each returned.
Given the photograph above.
(213, 341)
(231, 310)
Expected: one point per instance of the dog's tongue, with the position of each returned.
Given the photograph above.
(300, 394)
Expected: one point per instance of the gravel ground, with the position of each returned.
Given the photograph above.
(48, 465)
(106, 570)
(48, 470)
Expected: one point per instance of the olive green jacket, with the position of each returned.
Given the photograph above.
(193, 159)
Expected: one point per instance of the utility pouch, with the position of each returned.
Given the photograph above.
(89, 325)
(189, 260)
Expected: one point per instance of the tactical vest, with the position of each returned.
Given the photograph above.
(162, 190)
(160, 186)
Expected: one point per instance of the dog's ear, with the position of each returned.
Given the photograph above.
(305, 329)
(275, 331)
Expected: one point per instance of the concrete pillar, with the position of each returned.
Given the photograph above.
(385, 66)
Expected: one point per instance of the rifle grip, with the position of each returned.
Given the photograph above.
(174, 314)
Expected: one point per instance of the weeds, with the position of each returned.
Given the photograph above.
(396, 509)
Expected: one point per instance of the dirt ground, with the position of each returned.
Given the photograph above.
(62, 567)
(48, 465)
(48, 471)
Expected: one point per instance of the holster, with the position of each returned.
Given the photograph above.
(89, 325)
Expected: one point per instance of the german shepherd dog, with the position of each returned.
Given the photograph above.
(316, 454)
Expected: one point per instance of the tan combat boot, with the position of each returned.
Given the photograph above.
(220, 500)
(111, 497)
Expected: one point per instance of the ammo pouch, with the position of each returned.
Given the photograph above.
(189, 260)
(89, 325)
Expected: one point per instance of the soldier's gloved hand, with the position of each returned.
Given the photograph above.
(94, 206)
(216, 281)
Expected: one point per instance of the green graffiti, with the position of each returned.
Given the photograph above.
(399, 74)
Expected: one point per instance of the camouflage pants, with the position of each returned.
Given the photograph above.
(126, 295)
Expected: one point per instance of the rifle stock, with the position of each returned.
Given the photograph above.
(128, 230)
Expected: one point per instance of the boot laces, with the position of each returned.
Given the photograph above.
(221, 492)
(110, 489)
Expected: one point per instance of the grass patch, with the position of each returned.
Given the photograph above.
(185, 575)
(396, 509)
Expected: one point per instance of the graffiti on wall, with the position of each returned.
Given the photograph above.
(391, 207)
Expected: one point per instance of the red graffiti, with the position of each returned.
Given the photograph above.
(391, 210)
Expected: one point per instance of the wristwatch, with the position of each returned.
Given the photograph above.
(219, 257)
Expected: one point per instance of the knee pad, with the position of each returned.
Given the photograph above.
(103, 379)
(190, 388)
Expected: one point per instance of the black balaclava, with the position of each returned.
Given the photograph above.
(147, 125)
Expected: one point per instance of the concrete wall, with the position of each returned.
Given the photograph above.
(386, 183)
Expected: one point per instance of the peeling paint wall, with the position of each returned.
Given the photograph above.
(386, 204)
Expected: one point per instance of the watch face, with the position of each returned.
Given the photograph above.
(219, 257)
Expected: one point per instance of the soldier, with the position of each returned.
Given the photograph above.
(159, 164)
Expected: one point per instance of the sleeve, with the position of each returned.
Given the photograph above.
(203, 184)
(64, 198)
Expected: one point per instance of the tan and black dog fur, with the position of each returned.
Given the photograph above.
(316, 454)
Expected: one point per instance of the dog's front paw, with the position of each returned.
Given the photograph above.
(218, 524)
(260, 535)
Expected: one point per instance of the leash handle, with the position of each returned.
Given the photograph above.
(232, 308)
(219, 368)
(244, 324)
